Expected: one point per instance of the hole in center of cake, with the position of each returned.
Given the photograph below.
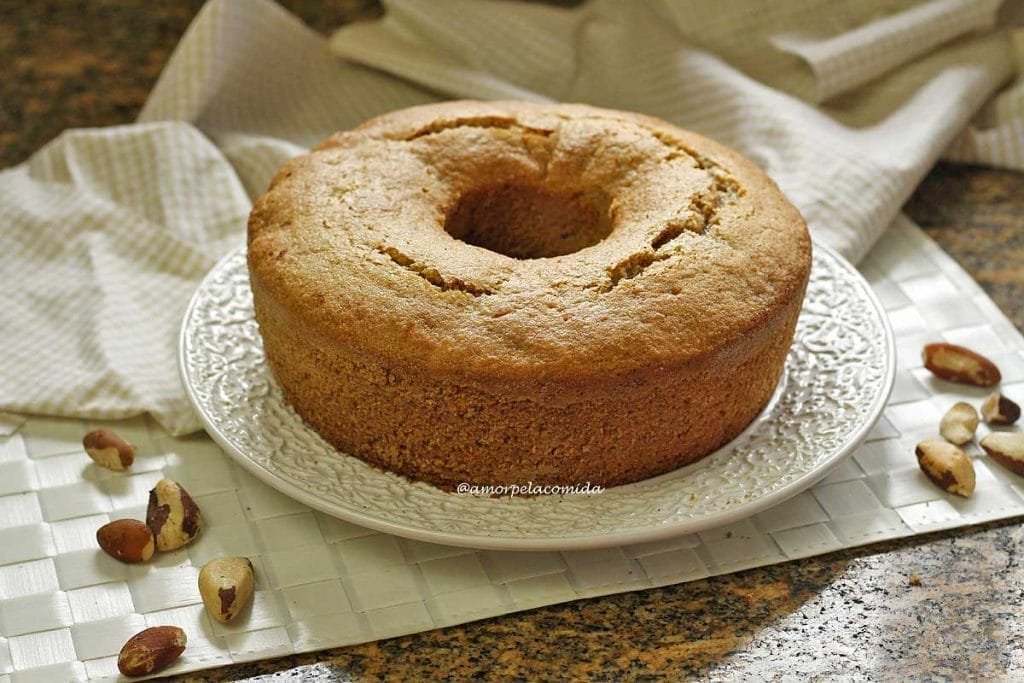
(526, 221)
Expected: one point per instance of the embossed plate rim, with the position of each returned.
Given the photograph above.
(505, 540)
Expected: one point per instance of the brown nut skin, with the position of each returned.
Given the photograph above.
(226, 585)
(959, 423)
(172, 515)
(1007, 449)
(109, 450)
(151, 650)
(128, 540)
(999, 410)
(947, 466)
(958, 364)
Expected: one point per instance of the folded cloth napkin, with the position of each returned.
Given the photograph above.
(108, 231)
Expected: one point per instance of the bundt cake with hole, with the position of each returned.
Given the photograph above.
(509, 292)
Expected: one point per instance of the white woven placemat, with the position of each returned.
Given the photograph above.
(66, 607)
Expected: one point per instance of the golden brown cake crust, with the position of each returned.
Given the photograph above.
(649, 326)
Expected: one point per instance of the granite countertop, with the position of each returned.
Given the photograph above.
(949, 604)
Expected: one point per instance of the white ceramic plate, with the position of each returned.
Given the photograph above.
(836, 382)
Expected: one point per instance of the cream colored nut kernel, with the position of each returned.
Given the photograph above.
(172, 515)
(999, 410)
(1007, 449)
(128, 540)
(226, 586)
(959, 423)
(109, 450)
(151, 650)
(957, 364)
(947, 466)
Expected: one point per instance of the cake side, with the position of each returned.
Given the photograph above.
(610, 432)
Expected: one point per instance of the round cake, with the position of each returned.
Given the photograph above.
(501, 293)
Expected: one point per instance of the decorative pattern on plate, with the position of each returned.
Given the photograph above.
(836, 381)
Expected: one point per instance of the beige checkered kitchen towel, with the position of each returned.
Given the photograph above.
(106, 232)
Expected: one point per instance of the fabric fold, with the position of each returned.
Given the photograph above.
(107, 232)
(249, 67)
(996, 136)
(843, 61)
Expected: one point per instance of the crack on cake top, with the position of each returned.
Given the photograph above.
(432, 275)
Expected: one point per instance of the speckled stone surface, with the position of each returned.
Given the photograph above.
(947, 605)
